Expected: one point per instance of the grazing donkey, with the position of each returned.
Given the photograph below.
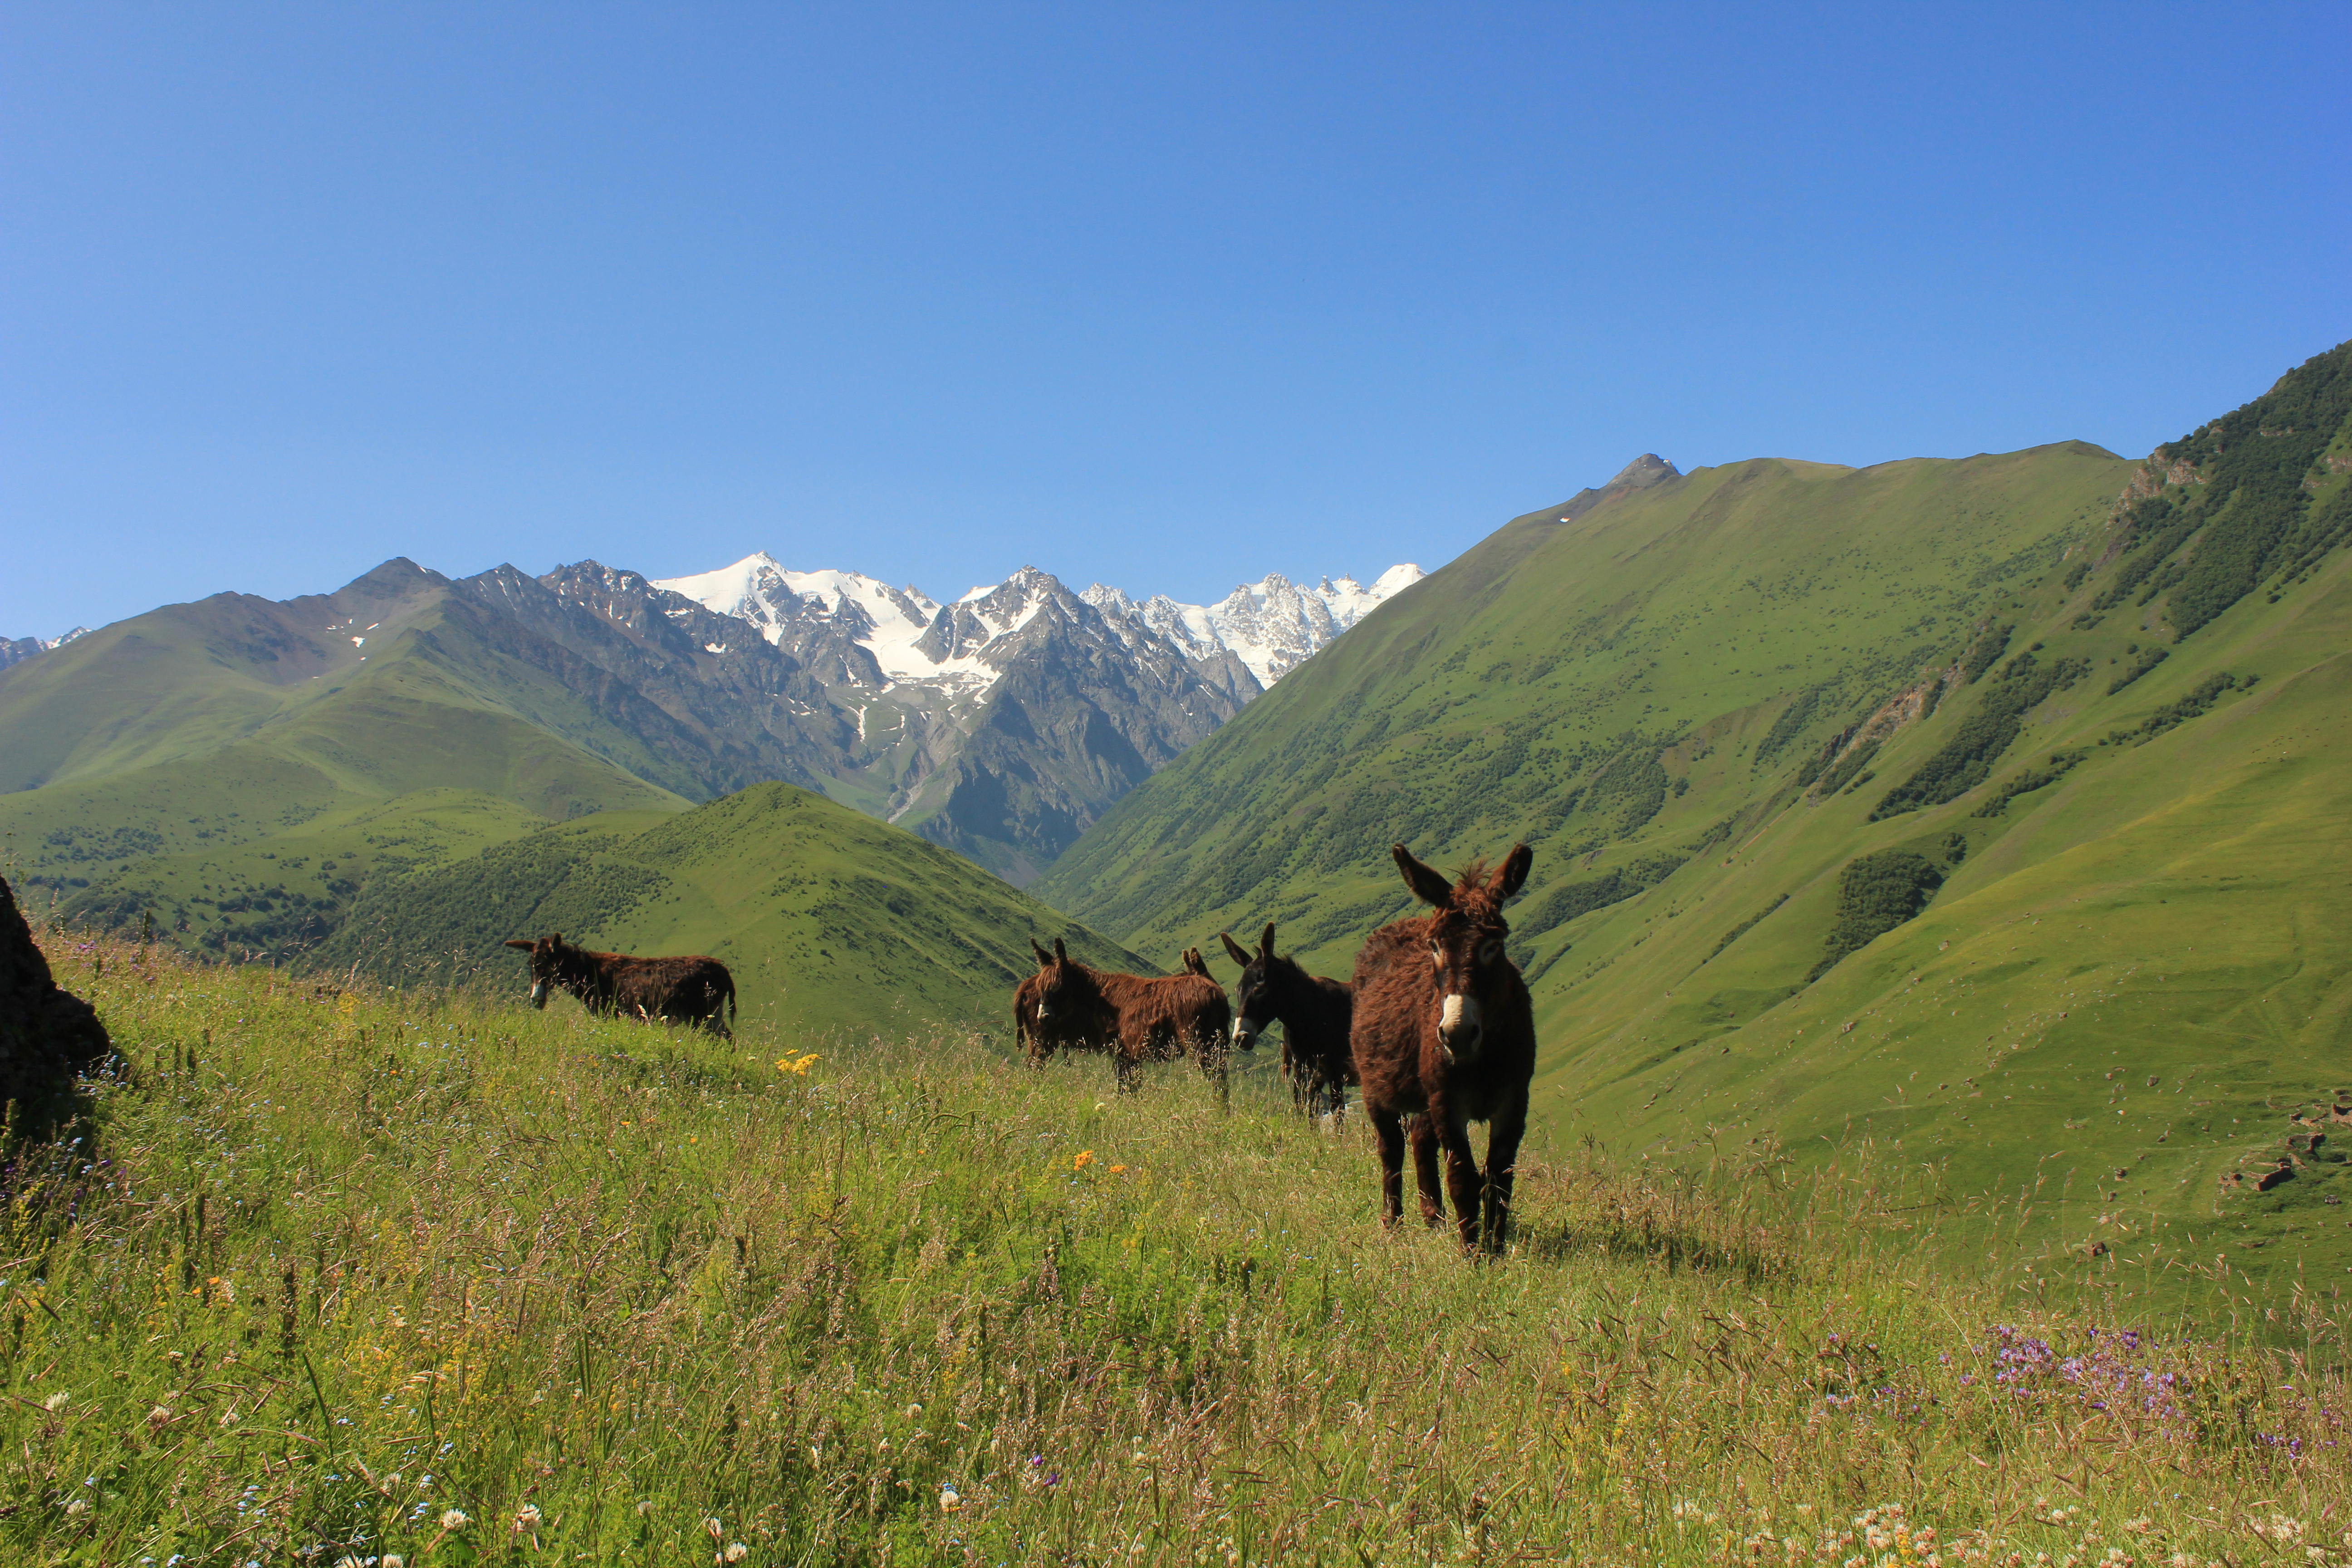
(1444, 1032)
(1313, 1013)
(682, 990)
(1140, 1019)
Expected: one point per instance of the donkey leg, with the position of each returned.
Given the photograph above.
(1510, 1124)
(1388, 1132)
(1425, 1170)
(1464, 1184)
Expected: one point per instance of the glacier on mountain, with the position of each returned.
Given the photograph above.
(1266, 627)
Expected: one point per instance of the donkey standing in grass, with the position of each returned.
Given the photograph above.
(1066, 1029)
(1313, 1013)
(695, 989)
(1140, 1019)
(1444, 1032)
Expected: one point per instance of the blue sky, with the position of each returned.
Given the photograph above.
(1167, 296)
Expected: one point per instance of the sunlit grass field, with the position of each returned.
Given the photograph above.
(353, 1274)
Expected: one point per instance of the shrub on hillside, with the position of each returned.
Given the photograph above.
(1876, 894)
(1967, 758)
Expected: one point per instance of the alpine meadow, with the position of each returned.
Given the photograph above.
(1993, 813)
(1937, 933)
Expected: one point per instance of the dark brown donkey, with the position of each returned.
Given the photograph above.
(1313, 1012)
(1140, 1019)
(1065, 1030)
(677, 990)
(1443, 1033)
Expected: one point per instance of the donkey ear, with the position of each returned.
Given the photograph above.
(1428, 885)
(1044, 959)
(1512, 875)
(524, 946)
(1265, 942)
(1235, 950)
(1061, 954)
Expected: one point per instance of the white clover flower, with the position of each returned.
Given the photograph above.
(56, 1400)
(454, 1519)
(526, 1517)
(737, 1552)
(392, 1559)
(80, 1505)
(951, 1499)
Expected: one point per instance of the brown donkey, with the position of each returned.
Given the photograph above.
(696, 990)
(1444, 1032)
(1138, 1018)
(1066, 1029)
(1314, 1014)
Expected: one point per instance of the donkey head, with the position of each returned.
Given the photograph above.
(1257, 996)
(1466, 939)
(1066, 988)
(551, 963)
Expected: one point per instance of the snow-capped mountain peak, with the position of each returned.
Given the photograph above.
(1267, 626)
(1271, 626)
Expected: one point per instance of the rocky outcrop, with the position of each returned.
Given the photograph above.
(49, 1036)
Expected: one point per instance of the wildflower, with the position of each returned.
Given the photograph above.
(80, 1505)
(392, 1559)
(736, 1552)
(525, 1518)
(951, 1499)
(715, 1531)
(452, 1519)
(56, 1400)
(1084, 1158)
(1118, 1170)
(913, 1411)
(797, 1064)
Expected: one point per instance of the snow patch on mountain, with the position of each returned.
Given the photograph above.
(1272, 625)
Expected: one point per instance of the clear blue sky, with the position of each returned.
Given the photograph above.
(1168, 296)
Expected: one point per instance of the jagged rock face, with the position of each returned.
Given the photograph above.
(716, 706)
(49, 1036)
(1082, 710)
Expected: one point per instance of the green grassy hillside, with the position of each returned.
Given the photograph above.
(828, 918)
(2124, 1001)
(238, 769)
(360, 1273)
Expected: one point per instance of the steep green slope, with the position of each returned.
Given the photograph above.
(1706, 701)
(828, 918)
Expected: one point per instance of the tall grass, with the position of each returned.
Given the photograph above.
(354, 1274)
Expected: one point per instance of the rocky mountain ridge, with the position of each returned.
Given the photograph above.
(1001, 724)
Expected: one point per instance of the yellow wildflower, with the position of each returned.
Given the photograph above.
(1084, 1157)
